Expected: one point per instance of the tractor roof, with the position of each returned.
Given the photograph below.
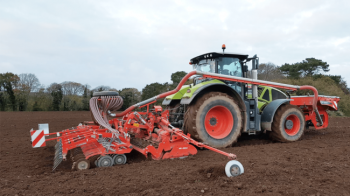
(210, 55)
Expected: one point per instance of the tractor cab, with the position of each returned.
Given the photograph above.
(221, 63)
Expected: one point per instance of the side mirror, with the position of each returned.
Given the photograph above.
(255, 62)
(245, 68)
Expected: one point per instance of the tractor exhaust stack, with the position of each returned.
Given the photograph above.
(255, 66)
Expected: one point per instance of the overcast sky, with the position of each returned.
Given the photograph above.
(133, 43)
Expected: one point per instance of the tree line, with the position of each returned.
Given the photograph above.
(312, 72)
(308, 68)
(24, 92)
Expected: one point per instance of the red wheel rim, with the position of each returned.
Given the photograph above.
(296, 125)
(218, 122)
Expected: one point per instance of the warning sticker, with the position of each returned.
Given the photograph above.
(136, 125)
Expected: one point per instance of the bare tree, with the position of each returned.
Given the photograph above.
(269, 71)
(28, 82)
(72, 88)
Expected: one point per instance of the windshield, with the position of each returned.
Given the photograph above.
(206, 65)
(230, 66)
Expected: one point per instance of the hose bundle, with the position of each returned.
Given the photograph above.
(100, 108)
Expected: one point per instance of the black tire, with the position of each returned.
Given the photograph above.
(288, 124)
(197, 120)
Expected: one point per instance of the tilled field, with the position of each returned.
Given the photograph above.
(319, 164)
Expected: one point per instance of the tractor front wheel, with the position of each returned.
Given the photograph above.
(215, 119)
(288, 124)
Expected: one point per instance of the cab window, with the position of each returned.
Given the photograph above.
(260, 90)
(206, 65)
(230, 66)
(266, 95)
(277, 95)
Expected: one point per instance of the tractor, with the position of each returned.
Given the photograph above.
(220, 105)
(217, 110)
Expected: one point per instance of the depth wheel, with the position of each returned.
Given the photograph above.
(288, 124)
(82, 164)
(119, 159)
(105, 161)
(215, 119)
(234, 168)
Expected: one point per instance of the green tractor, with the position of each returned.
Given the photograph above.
(214, 111)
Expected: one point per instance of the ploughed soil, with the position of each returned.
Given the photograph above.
(318, 164)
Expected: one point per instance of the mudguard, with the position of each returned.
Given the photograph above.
(269, 112)
(220, 87)
(177, 96)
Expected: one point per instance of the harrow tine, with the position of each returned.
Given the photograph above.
(58, 155)
(57, 150)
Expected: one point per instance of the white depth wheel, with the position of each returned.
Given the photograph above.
(234, 168)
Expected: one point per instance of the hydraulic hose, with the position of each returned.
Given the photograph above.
(229, 78)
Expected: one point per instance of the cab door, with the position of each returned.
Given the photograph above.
(232, 67)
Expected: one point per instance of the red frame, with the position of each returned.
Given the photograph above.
(306, 103)
(172, 142)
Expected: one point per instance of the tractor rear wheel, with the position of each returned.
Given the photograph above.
(214, 119)
(288, 124)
